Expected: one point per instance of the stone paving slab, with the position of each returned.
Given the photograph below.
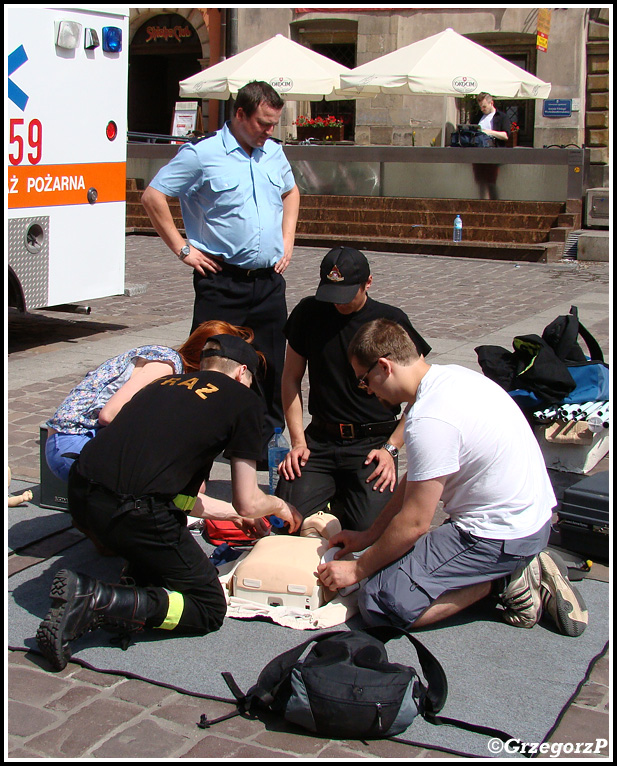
(455, 303)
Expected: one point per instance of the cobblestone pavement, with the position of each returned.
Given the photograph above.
(456, 303)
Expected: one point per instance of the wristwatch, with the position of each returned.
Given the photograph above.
(391, 449)
(186, 250)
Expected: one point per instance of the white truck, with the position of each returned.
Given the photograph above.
(65, 138)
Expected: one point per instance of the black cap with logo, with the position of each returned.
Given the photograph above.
(342, 271)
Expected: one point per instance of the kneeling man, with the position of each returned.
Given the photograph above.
(469, 445)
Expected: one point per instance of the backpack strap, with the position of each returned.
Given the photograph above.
(575, 328)
(437, 689)
(272, 676)
(595, 352)
(513, 742)
(269, 680)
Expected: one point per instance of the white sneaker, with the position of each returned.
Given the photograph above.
(560, 598)
(522, 598)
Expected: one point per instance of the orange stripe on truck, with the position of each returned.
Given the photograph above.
(46, 185)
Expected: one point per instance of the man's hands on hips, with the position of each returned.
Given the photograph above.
(283, 262)
(201, 261)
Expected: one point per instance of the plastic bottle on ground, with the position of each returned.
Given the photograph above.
(457, 233)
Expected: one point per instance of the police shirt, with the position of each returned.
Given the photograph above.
(321, 334)
(231, 202)
(165, 439)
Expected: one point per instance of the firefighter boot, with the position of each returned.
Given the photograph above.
(81, 603)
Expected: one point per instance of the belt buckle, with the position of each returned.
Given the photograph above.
(347, 431)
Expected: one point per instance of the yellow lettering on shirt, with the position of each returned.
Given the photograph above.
(169, 381)
(189, 383)
(209, 389)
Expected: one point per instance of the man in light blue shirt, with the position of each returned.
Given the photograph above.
(240, 208)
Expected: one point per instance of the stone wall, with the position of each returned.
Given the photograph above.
(423, 120)
(598, 95)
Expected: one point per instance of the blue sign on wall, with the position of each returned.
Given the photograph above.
(557, 107)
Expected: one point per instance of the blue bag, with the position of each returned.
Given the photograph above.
(592, 384)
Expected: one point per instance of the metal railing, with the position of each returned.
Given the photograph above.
(155, 138)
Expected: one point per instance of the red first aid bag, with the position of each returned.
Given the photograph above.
(218, 532)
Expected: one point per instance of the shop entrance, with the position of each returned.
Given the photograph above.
(165, 50)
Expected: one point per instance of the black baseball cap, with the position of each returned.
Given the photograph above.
(233, 347)
(342, 271)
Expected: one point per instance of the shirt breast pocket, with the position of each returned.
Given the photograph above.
(226, 194)
(274, 185)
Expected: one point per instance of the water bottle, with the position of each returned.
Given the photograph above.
(277, 449)
(457, 234)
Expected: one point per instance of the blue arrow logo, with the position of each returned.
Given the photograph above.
(15, 93)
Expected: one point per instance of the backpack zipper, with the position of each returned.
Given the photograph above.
(379, 721)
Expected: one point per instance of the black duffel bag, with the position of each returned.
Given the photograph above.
(471, 137)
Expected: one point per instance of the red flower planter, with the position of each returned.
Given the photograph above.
(319, 132)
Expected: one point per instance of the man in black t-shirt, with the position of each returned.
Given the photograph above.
(347, 455)
(133, 485)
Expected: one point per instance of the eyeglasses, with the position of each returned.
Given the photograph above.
(363, 381)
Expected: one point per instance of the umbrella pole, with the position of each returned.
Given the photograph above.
(444, 120)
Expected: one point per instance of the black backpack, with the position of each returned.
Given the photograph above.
(347, 688)
(543, 365)
(562, 336)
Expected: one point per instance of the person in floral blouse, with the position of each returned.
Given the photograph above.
(95, 401)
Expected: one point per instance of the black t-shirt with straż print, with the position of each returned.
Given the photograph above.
(165, 439)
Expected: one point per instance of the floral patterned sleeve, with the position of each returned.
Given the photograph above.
(79, 412)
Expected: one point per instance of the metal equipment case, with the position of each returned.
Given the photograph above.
(584, 516)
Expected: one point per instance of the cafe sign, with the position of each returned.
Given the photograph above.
(164, 32)
(177, 33)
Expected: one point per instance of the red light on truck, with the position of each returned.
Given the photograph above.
(111, 130)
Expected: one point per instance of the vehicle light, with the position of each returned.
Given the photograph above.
(112, 39)
(67, 34)
(112, 130)
(91, 39)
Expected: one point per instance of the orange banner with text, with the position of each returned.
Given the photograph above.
(48, 185)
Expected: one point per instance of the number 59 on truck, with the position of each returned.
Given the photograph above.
(65, 138)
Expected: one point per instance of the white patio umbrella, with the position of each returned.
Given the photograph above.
(296, 72)
(445, 64)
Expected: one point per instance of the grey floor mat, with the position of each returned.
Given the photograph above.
(499, 676)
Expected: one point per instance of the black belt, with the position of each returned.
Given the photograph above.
(246, 274)
(354, 430)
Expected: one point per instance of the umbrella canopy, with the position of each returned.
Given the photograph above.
(295, 72)
(446, 64)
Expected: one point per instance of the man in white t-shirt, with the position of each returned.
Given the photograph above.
(494, 123)
(469, 445)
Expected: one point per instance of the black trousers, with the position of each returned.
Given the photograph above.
(151, 534)
(255, 302)
(335, 473)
